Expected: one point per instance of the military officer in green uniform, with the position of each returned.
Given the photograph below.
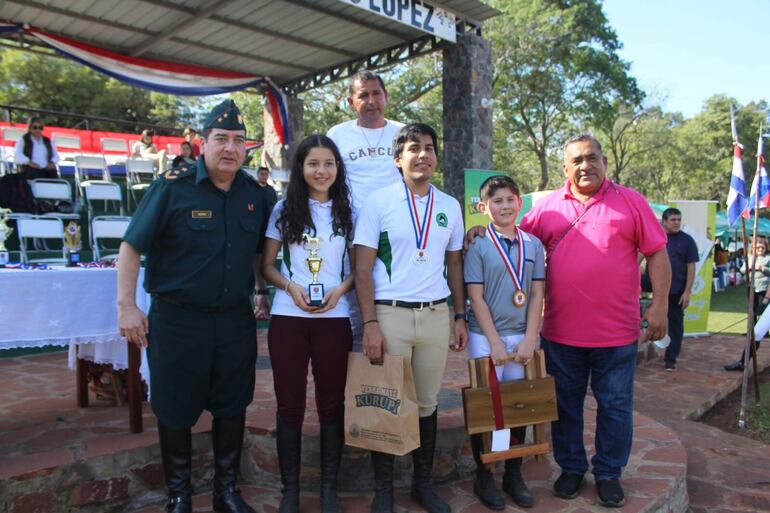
(201, 230)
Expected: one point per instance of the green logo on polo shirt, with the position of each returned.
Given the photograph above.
(385, 253)
(442, 219)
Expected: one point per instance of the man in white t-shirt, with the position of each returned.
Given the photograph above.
(366, 143)
(366, 146)
(409, 240)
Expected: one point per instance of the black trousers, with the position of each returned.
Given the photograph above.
(675, 328)
(200, 361)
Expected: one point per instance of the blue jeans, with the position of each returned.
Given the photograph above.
(611, 371)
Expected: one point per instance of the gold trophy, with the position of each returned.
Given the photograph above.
(72, 243)
(5, 232)
(315, 290)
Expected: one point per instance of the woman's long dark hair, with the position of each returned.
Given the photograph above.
(295, 217)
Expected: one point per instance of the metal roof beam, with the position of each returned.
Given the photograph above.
(361, 23)
(294, 39)
(80, 16)
(182, 23)
(134, 30)
(389, 56)
(258, 30)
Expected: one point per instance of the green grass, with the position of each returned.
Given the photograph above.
(759, 412)
(728, 311)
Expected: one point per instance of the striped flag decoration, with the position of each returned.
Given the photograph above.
(760, 188)
(736, 197)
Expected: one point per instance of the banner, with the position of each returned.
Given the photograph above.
(699, 221)
(473, 180)
(164, 76)
(417, 14)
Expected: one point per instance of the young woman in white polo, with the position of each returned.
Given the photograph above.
(408, 244)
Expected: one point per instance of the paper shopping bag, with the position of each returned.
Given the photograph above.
(381, 405)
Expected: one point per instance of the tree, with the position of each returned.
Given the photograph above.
(651, 156)
(251, 105)
(556, 64)
(629, 132)
(54, 83)
(706, 147)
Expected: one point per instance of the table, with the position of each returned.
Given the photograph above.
(73, 307)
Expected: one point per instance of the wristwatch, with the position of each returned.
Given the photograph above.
(461, 316)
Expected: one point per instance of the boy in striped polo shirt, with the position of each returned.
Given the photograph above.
(504, 273)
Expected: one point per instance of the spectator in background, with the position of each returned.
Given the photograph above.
(146, 149)
(263, 174)
(186, 160)
(190, 136)
(721, 259)
(35, 154)
(35, 157)
(683, 254)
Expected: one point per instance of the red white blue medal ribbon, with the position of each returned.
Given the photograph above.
(421, 228)
(517, 273)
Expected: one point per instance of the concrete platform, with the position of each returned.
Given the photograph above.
(56, 457)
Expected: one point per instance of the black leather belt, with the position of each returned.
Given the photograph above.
(414, 305)
(195, 308)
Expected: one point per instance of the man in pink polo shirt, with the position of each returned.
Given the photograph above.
(593, 231)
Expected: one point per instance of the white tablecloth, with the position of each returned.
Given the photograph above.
(66, 306)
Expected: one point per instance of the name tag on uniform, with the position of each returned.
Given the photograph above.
(201, 214)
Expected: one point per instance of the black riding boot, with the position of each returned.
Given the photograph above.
(227, 438)
(383, 482)
(513, 482)
(332, 438)
(175, 451)
(422, 490)
(484, 486)
(289, 442)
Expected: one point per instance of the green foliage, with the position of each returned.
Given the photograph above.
(33, 80)
(57, 84)
(705, 146)
(252, 110)
(556, 64)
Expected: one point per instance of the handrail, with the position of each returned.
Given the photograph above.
(86, 119)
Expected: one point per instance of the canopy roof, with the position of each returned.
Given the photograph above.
(300, 44)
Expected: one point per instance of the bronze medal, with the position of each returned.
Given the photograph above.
(519, 298)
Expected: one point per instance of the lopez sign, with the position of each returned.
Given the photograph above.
(415, 13)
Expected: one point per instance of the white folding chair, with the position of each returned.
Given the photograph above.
(89, 169)
(107, 227)
(139, 175)
(40, 228)
(66, 141)
(106, 195)
(53, 190)
(10, 135)
(114, 149)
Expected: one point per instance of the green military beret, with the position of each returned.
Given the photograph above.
(226, 116)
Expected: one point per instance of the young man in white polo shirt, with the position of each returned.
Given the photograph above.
(409, 238)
